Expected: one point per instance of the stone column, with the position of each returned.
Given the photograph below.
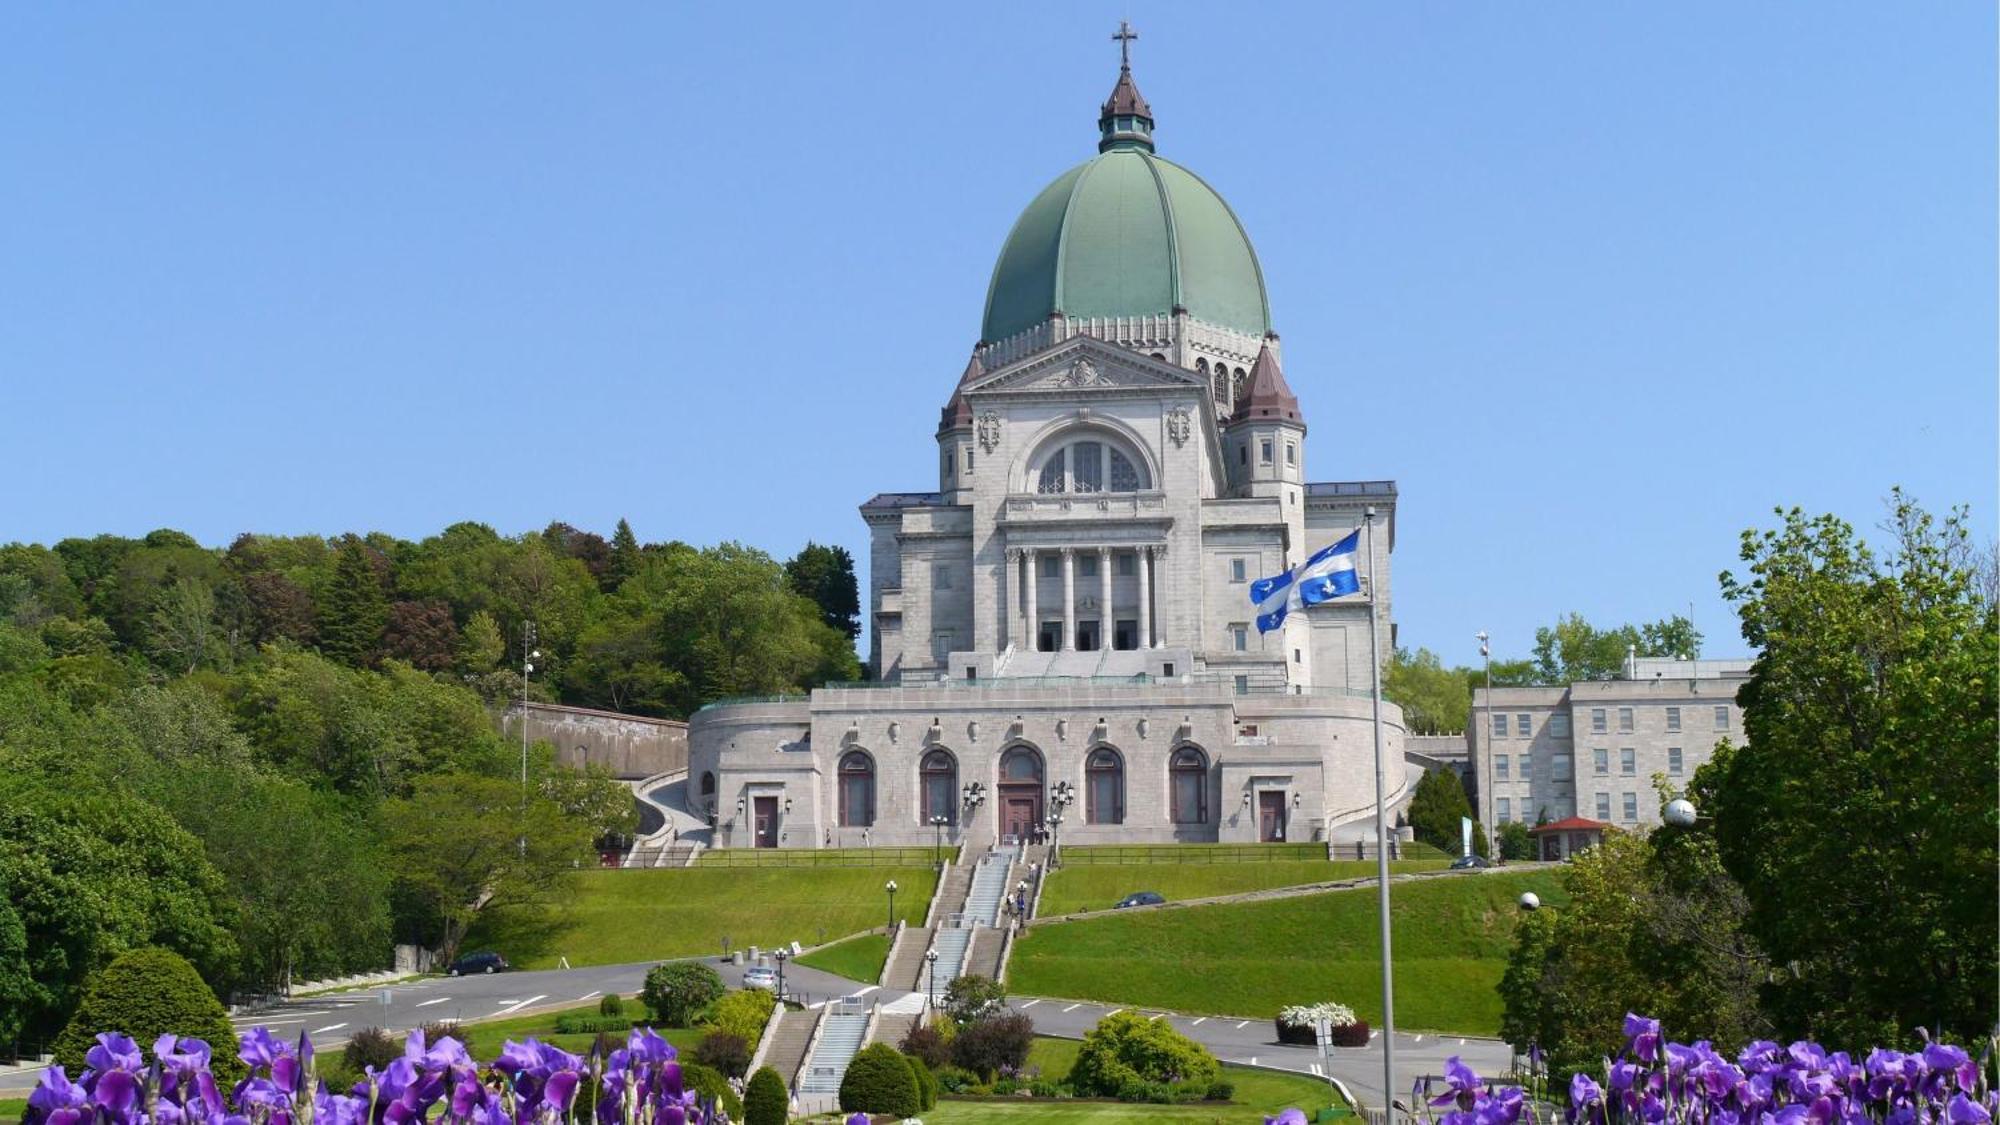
(1160, 585)
(1032, 613)
(1069, 599)
(1105, 621)
(1145, 568)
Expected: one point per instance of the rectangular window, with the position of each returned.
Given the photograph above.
(1500, 767)
(1597, 720)
(941, 646)
(1527, 766)
(968, 462)
(1242, 685)
(1238, 571)
(1561, 768)
(1051, 566)
(1243, 453)
(1601, 759)
(1128, 565)
(1674, 762)
(940, 576)
(1631, 806)
(1503, 809)
(1522, 725)
(1499, 726)
(1604, 806)
(1291, 453)
(1558, 726)
(1086, 566)
(1298, 656)
(1239, 637)
(1624, 718)
(1628, 762)
(1264, 453)
(945, 468)
(1673, 718)
(1722, 718)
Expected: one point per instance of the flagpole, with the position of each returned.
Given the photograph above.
(1381, 839)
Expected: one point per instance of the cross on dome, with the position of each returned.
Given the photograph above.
(1124, 35)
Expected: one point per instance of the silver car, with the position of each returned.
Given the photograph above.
(761, 977)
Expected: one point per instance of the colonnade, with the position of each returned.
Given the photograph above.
(1024, 565)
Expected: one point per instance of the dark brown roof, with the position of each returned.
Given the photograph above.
(1570, 824)
(1269, 396)
(957, 413)
(1125, 100)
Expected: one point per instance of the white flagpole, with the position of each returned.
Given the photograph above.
(1381, 840)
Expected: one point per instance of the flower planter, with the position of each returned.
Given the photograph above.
(1349, 1035)
(1300, 1036)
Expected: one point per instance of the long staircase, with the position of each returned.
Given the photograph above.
(785, 1050)
(841, 1030)
(989, 889)
(891, 1029)
(950, 947)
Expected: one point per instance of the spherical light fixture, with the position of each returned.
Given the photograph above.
(1679, 813)
(1530, 901)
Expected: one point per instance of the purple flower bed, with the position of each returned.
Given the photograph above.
(531, 1082)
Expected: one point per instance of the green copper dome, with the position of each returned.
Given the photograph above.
(1126, 234)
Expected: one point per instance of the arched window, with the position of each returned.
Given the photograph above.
(707, 791)
(940, 786)
(1054, 476)
(1097, 463)
(1236, 389)
(1021, 764)
(1188, 786)
(1201, 367)
(1104, 787)
(857, 790)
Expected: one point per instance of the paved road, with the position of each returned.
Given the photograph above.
(329, 1020)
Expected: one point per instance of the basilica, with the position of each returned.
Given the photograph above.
(1063, 640)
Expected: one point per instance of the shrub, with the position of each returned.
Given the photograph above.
(879, 1081)
(611, 1005)
(675, 991)
(1126, 1048)
(1138, 1090)
(970, 997)
(1048, 1088)
(995, 1044)
(371, 1046)
(956, 1080)
(927, 1083)
(1006, 1086)
(708, 1082)
(1221, 1090)
(1515, 843)
(443, 1029)
(573, 1024)
(743, 1013)
(765, 1101)
(725, 1051)
(145, 994)
(927, 1044)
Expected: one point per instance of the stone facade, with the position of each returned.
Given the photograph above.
(632, 747)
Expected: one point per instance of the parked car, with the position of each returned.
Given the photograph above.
(485, 961)
(1140, 898)
(1469, 863)
(761, 976)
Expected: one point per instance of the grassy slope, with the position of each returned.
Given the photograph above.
(857, 958)
(1079, 887)
(648, 915)
(1452, 935)
(1258, 1093)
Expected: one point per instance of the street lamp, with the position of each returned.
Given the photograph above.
(529, 654)
(890, 886)
(1680, 813)
(1021, 903)
(938, 822)
(1486, 733)
(1061, 797)
(930, 964)
(781, 955)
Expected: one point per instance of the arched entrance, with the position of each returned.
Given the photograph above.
(1020, 791)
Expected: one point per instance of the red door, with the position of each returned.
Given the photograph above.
(1020, 820)
(767, 822)
(1271, 817)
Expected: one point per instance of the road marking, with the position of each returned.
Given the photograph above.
(515, 1007)
(1317, 1072)
(1461, 1042)
(588, 995)
(1244, 1024)
(1072, 1007)
(1417, 1039)
(1199, 1020)
(269, 1023)
(428, 1003)
(1372, 1035)
(327, 1028)
(1032, 1003)
(1156, 1015)
(863, 991)
(1253, 1060)
(1112, 1012)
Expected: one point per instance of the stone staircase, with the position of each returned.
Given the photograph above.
(784, 1050)
(950, 946)
(982, 958)
(951, 892)
(891, 1029)
(905, 968)
(842, 1027)
(989, 887)
(668, 855)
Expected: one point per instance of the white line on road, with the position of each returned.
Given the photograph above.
(863, 991)
(1032, 1003)
(515, 1007)
(1112, 1012)
(270, 1023)
(588, 995)
(1460, 1042)
(1317, 1072)
(1198, 1021)
(1244, 1024)
(327, 1028)
(1072, 1007)
(1157, 1015)
(428, 1003)
(1373, 1034)
(1417, 1039)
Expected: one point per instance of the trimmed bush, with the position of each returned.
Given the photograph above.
(1126, 1050)
(928, 1045)
(1353, 1035)
(996, 1044)
(765, 1101)
(879, 1081)
(742, 1013)
(1220, 1091)
(927, 1083)
(611, 1005)
(972, 996)
(725, 1051)
(956, 1080)
(145, 994)
(675, 991)
(1048, 1088)
(708, 1082)
(371, 1046)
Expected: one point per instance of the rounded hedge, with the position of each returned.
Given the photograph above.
(927, 1083)
(145, 994)
(765, 1101)
(708, 1082)
(879, 1081)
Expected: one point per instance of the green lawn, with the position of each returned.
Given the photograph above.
(13, 1109)
(1258, 1093)
(858, 958)
(657, 913)
(1452, 936)
(1077, 887)
(827, 857)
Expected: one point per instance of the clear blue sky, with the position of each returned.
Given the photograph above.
(1597, 283)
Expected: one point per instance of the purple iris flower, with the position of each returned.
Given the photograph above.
(1583, 1091)
(862, 1119)
(116, 1094)
(646, 1045)
(1760, 1054)
(1964, 1111)
(1943, 1059)
(1643, 1036)
(257, 1049)
(182, 1057)
(1461, 1085)
(114, 1052)
(56, 1100)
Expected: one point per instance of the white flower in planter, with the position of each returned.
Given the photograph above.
(1310, 1015)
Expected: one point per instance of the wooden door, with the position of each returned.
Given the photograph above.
(1271, 817)
(1020, 819)
(767, 822)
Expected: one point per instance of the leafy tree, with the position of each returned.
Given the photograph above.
(355, 610)
(481, 647)
(1126, 1047)
(972, 997)
(1437, 808)
(927, 1045)
(1574, 650)
(1515, 842)
(765, 1101)
(280, 609)
(422, 635)
(1434, 699)
(825, 575)
(675, 991)
(878, 1080)
(726, 1051)
(996, 1042)
(145, 994)
(743, 1013)
(1865, 790)
(181, 633)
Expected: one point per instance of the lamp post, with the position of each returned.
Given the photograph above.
(781, 955)
(1485, 735)
(529, 654)
(1021, 904)
(930, 978)
(1381, 833)
(970, 798)
(938, 821)
(890, 886)
(1061, 797)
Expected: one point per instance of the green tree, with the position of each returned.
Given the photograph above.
(180, 633)
(624, 556)
(1865, 790)
(1437, 809)
(1515, 842)
(825, 574)
(764, 1099)
(1574, 650)
(1434, 699)
(355, 610)
(878, 1080)
(481, 647)
(677, 990)
(145, 994)
(1126, 1047)
(971, 997)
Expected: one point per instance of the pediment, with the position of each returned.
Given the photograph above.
(1085, 364)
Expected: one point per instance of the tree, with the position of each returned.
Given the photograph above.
(725, 1051)
(422, 635)
(1126, 1047)
(675, 991)
(878, 1080)
(1515, 842)
(145, 994)
(355, 610)
(1437, 810)
(180, 633)
(764, 1100)
(481, 647)
(1574, 650)
(826, 576)
(624, 557)
(996, 1042)
(971, 997)
(280, 609)
(1434, 699)
(1865, 790)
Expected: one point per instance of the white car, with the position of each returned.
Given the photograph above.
(761, 977)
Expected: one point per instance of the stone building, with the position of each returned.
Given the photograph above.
(1591, 749)
(1062, 636)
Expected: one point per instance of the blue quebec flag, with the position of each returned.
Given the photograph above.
(1327, 575)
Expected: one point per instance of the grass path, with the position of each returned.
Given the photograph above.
(1250, 959)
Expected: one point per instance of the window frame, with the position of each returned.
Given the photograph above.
(856, 765)
(1187, 764)
(1102, 765)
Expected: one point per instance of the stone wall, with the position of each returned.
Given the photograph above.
(630, 746)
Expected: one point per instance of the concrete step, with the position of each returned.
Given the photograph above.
(906, 961)
(839, 1040)
(983, 957)
(891, 1029)
(787, 1050)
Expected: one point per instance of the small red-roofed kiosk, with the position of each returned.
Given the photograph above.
(1563, 838)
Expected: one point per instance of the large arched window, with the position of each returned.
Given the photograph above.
(940, 786)
(1089, 464)
(1021, 765)
(1104, 787)
(1187, 777)
(857, 790)
(707, 792)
